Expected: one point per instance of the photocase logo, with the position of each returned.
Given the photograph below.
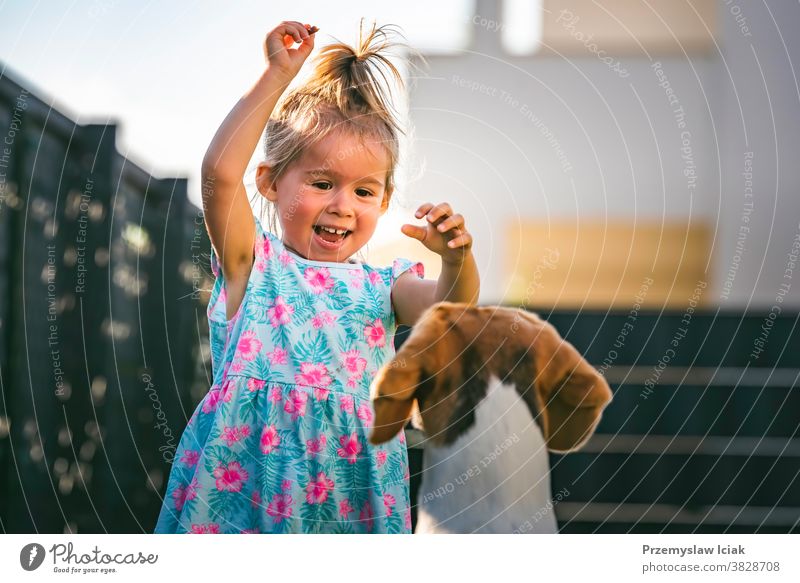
(31, 556)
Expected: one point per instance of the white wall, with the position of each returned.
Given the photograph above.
(765, 120)
(621, 146)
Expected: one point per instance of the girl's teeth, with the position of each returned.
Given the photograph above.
(338, 232)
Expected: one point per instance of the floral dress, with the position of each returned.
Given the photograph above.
(279, 443)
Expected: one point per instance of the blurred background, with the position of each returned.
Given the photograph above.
(628, 170)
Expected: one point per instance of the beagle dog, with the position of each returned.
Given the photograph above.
(494, 389)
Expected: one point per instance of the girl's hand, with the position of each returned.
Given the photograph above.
(277, 46)
(444, 232)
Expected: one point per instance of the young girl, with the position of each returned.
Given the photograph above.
(298, 328)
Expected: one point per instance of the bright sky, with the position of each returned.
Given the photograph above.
(167, 73)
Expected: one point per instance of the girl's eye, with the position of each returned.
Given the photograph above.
(324, 185)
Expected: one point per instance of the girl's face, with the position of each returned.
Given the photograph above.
(339, 182)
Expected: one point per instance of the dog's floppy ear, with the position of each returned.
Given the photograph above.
(439, 369)
(393, 392)
(569, 394)
(395, 387)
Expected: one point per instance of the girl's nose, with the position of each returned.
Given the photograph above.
(340, 203)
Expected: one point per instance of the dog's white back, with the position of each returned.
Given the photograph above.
(495, 478)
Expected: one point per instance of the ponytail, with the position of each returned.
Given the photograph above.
(349, 77)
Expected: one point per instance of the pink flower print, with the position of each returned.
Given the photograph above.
(313, 375)
(211, 401)
(356, 278)
(277, 356)
(190, 457)
(286, 486)
(230, 435)
(418, 269)
(345, 508)
(254, 385)
(407, 519)
(210, 528)
(230, 478)
(275, 394)
(280, 313)
(234, 434)
(248, 346)
(365, 413)
(321, 393)
(264, 251)
(226, 393)
(346, 403)
(402, 438)
(375, 333)
(366, 515)
(324, 318)
(255, 499)
(237, 367)
(315, 446)
(381, 457)
(350, 447)
(217, 394)
(280, 507)
(353, 362)
(375, 278)
(270, 440)
(388, 503)
(296, 404)
(317, 490)
(183, 494)
(285, 258)
(319, 280)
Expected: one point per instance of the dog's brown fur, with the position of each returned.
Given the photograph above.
(445, 363)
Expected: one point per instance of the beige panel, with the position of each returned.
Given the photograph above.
(626, 27)
(605, 264)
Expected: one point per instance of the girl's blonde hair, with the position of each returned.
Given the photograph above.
(348, 91)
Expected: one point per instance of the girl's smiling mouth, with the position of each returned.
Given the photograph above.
(329, 240)
(330, 233)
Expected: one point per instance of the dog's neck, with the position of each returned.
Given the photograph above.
(495, 477)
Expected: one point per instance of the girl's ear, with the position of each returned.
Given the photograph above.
(387, 195)
(265, 183)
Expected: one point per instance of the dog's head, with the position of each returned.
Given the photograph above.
(443, 368)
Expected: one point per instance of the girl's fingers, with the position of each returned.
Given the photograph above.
(460, 241)
(439, 211)
(450, 222)
(296, 30)
(423, 209)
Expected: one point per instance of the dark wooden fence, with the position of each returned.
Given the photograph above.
(101, 327)
(702, 435)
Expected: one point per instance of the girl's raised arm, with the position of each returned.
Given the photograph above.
(228, 216)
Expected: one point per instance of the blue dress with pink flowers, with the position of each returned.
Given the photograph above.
(279, 443)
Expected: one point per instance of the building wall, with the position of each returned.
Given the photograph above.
(566, 137)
